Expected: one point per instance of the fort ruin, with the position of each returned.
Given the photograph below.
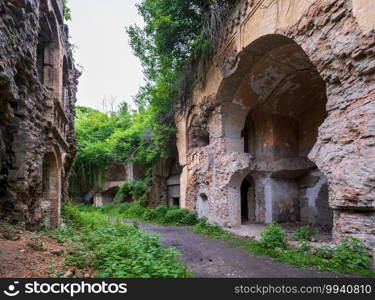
(281, 127)
(37, 96)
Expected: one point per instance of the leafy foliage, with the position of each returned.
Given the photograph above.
(106, 139)
(67, 12)
(114, 249)
(351, 255)
(133, 190)
(164, 215)
(273, 237)
(304, 233)
(176, 34)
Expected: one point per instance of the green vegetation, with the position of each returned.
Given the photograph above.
(163, 215)
(349, 257)
(133, 189)
(175, 37)
(67, 12)
(114, 249)
(304, 233)
(107, 139)
(274, 237)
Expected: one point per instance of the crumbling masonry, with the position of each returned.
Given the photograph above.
(282, 129)
(37, 95)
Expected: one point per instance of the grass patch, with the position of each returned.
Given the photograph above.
(115, 249)
(163, 215)
(349, 257)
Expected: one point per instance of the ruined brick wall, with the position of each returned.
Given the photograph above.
(269, 49)
(165, 180)
(37, 95)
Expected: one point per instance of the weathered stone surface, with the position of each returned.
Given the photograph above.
(292, 86)
(37, 96)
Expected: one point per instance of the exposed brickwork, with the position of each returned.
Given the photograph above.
(303, 74)
(37, 95)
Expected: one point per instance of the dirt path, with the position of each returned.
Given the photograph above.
(211, 258)
(18, 260)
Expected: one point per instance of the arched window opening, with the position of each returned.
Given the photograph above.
(44, 41)
(47, 53)
(51, 190)
(248, 201)
(248, 134)
(198, 134)
(65, 82)
(283, 104)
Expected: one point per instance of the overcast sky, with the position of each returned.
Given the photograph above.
(111, 71)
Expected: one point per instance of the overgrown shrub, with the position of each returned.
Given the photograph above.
(121, 208)
(190, 218)
(150, 215)
(166, 215)
(135, 210)
(116, 250)
(161, 211)
(78, 256)
(175, 216)
(304, 233)
(208, 230)
(350, 255)
(133, 190)
(274, 237)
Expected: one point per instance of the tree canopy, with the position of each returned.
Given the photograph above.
(175, 35)
(106, 139)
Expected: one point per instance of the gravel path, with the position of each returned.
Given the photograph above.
(214, 259)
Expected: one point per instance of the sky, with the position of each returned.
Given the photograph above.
(110, 71)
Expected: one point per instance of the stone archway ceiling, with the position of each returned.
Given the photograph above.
(285, 82)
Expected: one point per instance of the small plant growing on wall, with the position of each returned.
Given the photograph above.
(274, 237)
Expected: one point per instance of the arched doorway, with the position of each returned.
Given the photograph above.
(65, 83)
(248, 204)
(51, 189)
(274, 114)
(48, 54)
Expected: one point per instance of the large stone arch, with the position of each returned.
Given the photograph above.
(49, 57)
(276, 92)
(51, 187)
(65, 83)
(339, 42)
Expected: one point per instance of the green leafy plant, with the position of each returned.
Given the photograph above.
(274, 237)
(133, 190)
(78, 256)
(165, 215)
(115, 249)
(67, 11)
(348, 257)
(304, 233)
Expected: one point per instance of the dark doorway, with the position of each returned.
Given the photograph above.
(244, 201)
(248, 201)
(176, 201)
(51, 188)
(248, 134)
